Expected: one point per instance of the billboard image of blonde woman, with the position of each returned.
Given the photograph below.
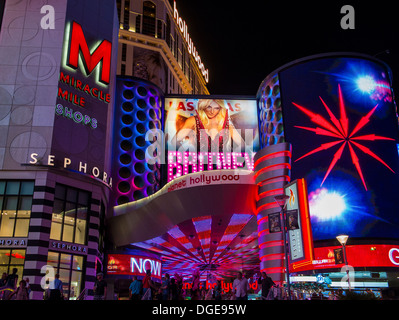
(211, 125)
(208, 134)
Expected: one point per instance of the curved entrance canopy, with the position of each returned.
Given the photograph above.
(202, 221)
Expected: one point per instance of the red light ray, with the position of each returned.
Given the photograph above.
(336, 157)
(371, 137)
(369, 152)
(344, 119)
(320, 131)
(355, 161)
(333, 119)
(324, 146)
(318, 119)
(363, 121)
(342, 125)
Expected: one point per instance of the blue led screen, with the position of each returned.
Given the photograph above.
(339, 115)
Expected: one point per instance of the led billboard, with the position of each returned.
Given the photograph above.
(208, 134)
(340, 119)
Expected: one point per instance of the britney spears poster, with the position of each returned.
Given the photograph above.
(214, 130)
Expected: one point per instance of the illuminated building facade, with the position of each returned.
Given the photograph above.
(341, 120)
(56, 87)
(353, 118)
(154, 45)
(93, 145)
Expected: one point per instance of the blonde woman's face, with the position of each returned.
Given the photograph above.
(212, 110)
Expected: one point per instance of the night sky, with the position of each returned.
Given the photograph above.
(241, 42)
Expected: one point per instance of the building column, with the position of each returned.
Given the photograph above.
(272, 166)
(92, 242)
(39, 233)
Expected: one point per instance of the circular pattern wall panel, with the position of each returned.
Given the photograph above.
(137, 111)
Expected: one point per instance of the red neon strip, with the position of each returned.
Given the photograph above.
(270, 244)
(272, 156)
(266, 206)
(273, 270)
(305, 219)
(297, 265)
(282, 178)
(273, 256)
(264, 231)
(270, 193)
(273, 167)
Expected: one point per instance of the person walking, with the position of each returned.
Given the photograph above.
(12, 281)
(21, 293)
(174, 293)
(195, 289)
(240, 287)
(3, 280)
(3, 283)
(218, 290)
(166, 287)
(147, 286)
(100, 287)
(135, 289)
(28, 286)
(179, 286)
(266, 282)
(56, 292)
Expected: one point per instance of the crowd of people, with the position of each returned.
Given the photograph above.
(11, 289)
(172, 288)
(169, 289)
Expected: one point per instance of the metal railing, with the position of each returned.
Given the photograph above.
(82, 295)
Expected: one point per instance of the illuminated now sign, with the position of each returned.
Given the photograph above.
(190, 45)
(123, 264)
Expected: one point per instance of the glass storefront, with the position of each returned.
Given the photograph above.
(70, 269)
(69, 220)
(15, 207)
(69, 223)
(10, 259)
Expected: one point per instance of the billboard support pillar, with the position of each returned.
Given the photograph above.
(272, 166)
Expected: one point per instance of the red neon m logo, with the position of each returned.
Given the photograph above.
(101, 54)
